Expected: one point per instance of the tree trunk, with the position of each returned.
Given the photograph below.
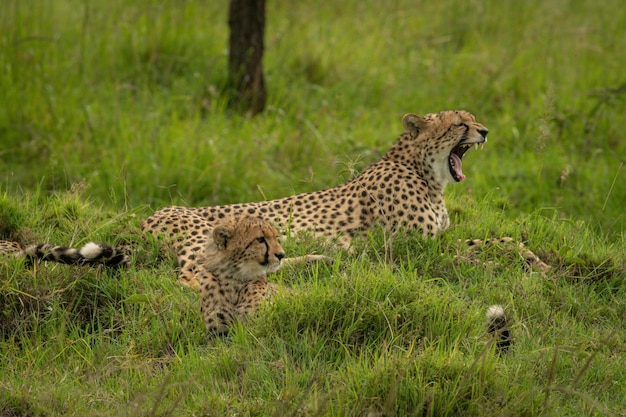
(246, 20)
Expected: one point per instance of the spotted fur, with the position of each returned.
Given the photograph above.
(232, 270)
(404, 188)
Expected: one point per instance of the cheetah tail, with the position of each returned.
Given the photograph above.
(499, 327)
(90, 254)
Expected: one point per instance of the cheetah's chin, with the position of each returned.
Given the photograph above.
(272, 267)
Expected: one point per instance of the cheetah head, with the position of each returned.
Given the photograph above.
(443, 139)
(246, 249)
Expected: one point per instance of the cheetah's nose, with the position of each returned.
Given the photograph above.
(280, 255)
(483, 132)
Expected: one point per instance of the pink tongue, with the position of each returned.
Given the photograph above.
(455, 163)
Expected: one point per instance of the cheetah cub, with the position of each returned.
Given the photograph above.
(232, 272)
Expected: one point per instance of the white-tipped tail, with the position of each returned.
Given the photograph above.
(91, 251)
(498, 326)
(495, 312)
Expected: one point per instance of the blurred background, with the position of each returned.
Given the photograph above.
(130, 100)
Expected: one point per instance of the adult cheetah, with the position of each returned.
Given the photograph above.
(404, 188)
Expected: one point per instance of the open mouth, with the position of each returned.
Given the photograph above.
(454, 160)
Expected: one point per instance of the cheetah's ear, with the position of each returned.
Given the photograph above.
(413, 123)
(221, 236)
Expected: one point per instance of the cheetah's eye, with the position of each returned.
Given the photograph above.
(462, 124)
(260, 239)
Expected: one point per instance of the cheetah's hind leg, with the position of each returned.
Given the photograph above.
(532, 262)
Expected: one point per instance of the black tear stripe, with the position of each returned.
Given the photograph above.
(266, 258)
(464, 137)
(267, 253)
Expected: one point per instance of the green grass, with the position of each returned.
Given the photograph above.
(109, 110)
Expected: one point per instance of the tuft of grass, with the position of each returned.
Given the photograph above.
(395, 327)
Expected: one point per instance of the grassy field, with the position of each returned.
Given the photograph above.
(110, 110)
